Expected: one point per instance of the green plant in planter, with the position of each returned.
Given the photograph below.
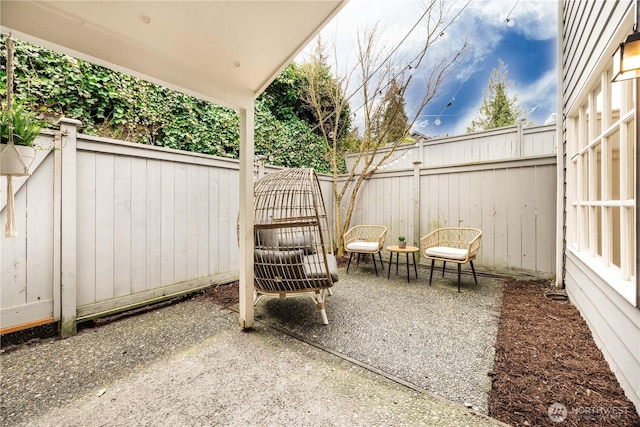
(402, 241)
(26, 126)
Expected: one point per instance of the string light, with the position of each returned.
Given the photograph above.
(510, 22)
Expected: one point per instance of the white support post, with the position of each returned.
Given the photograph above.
(560, 170)
(246, 297)
(636, 138)
(65, 162)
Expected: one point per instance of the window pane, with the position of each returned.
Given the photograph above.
(630, 162)
(633, 241)
(584, 237)
(585, 177)
(583, 128)
(615, 235)
(598, 172)
(598, 117)
(614, 167)
(599, 233)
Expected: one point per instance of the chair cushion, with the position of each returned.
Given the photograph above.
(297, 240)
(360, 246)
(315, 269)
(266, 238)
(286, 258)
(447, 252)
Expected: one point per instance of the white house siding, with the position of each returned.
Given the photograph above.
(614, 323)
(590, 34)
(589, 29)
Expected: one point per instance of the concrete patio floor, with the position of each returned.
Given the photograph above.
(394, 353)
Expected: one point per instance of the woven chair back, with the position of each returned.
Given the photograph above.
(292, 235)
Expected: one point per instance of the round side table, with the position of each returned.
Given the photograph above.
(407, 250)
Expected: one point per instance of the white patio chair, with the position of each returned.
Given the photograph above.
(365, 239)
(451, 244)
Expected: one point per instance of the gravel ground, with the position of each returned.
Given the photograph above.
(189, 363)
(430, 336)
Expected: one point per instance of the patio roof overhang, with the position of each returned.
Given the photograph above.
(221, 51)
(225, 52)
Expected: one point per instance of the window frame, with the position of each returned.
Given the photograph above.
(601, 197)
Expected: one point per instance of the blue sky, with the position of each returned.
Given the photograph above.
(522, 33)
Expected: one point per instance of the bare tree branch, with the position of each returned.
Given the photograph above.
(376, 69)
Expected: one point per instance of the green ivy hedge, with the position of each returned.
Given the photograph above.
(116, 105)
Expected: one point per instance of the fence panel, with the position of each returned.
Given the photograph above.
(27, 263)
(163, 221)
(511, 201)
(498, 144)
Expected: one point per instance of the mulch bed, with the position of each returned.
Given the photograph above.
(548, 370)
(547, 364)
(223, 295)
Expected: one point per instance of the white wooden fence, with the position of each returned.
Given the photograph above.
(134, 224)
(512, 201)
(106, 225)
(498, 144)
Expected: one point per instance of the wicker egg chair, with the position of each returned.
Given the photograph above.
(293, 246)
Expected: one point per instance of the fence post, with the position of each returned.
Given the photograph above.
(416, 201)
(520, 139)
(260, 163)
(65, 227)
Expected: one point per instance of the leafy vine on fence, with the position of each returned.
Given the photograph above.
(113, 104)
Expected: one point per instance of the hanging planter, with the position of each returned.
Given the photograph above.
(16, 160)
(18, 131)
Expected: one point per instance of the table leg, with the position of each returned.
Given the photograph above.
(390, 261)
(397, 256)
(415, 268)
(407, 259)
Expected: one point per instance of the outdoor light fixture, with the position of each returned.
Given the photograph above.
(626, 60)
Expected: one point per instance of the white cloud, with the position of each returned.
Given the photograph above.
(483, 22)
(540, 93)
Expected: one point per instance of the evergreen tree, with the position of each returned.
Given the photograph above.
(394, 120)
(497, 108)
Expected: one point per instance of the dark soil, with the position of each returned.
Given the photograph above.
(546, 358)
(223, 295)
(545, 355)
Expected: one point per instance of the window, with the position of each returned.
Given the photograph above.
(600, 210)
